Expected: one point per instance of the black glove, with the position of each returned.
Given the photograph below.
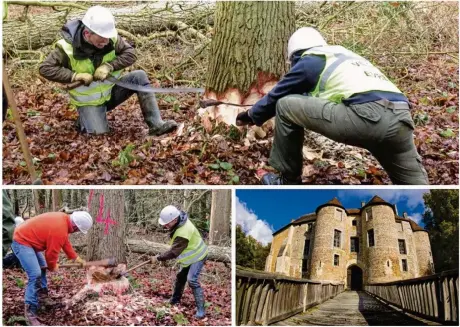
(243, 119)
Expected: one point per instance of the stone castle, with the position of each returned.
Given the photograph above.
(372, 244)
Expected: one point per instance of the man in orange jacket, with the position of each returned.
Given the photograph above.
(47, 232)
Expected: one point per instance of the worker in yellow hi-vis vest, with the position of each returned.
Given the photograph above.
(190, 251)
(341, 95)
(90, 51)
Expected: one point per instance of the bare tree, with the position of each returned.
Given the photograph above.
(221, 210)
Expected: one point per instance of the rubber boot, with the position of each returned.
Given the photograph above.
(177, 293)
(152, 117)
(44, 299)
(274, 179)
(199, 301)
(31, 316)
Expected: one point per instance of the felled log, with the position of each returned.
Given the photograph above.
(216, 253)
(41, 30)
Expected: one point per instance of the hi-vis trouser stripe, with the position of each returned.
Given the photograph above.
(189, 257)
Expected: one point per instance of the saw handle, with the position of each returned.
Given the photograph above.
(71, 265)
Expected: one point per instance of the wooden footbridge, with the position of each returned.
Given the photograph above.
(272, 299)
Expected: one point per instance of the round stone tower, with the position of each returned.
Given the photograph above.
(328, 256)
(423, 249)
(380, 240)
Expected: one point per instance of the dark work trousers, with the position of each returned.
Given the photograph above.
(386, 133)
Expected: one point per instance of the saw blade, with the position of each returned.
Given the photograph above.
(149, 89)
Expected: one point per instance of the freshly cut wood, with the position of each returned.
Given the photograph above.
(41, 30)
(99, 280)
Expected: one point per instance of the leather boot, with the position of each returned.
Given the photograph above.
(31, 316)
(199, 301)
(274, 179)
(44, 298)
(152, 117)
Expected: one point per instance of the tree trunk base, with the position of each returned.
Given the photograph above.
(100, 282)
(227, 113)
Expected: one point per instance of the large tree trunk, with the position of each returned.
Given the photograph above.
(39, 201)
(57, 199)
(221, 211)
(41, 30)
(248, 53)
(106, 237)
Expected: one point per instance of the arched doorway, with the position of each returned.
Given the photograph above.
(355, 278)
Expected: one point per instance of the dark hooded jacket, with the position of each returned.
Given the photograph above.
(179, 244)
(56, 66)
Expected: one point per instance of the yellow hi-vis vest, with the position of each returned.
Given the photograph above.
(98, 92)
(347, 73)
(196, 250)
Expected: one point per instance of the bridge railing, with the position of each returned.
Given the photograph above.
(263, 298)
(434, 297)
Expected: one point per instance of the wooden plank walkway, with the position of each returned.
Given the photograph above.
(352, 308)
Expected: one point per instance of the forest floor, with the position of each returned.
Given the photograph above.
(146, 304)
(209, 154)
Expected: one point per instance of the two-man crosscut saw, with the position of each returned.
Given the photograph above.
(142, 88)
(149, 89)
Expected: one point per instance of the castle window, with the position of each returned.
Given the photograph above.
(338, 214)
(337, 238)
(354, 222)
(354, 244)
(304, 268)
(370, 237)
(402, 247)
(310, 227)
(404, 264)
(368, 213)
(336, 259)
(306, 249)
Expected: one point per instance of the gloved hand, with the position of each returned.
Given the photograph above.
(55, 268)
(86, 78)
(243, 119)
(153, 260)
(102, 72)
(80, 261)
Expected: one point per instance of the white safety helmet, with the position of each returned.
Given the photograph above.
(304, 38)
(18, 221)
(100, 21)
(168, 214)
(82, 220)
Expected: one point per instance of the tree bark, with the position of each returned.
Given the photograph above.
(57, 199)
(248, 53)
(106, 237)
(221, 211)
(39, 201)
(41, 30)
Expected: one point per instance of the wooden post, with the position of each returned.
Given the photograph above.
(20, 129)
(440, 299)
